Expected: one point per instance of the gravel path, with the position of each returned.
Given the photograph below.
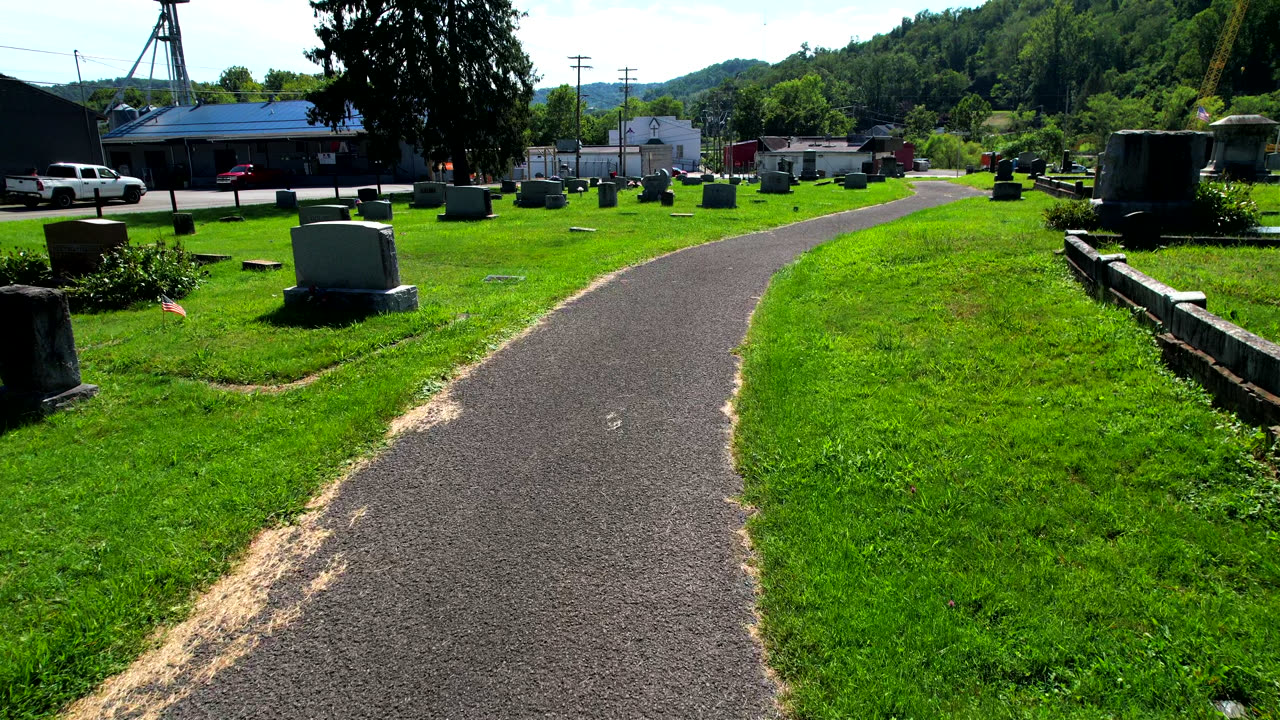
(562, 548)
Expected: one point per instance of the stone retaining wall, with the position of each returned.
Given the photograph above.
(1240, 369)
(1070, 189)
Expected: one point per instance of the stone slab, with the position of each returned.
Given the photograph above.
(349, 203)
(345, 255)
(1253, 358)
(365, 195)
(428, 194)
(775, 183)
(76, 247)
(184, 224)
(286, 199)
(467, 202)
(533, 193)
(209, 258)
(556, 202)
(403, 298)
(1145, 291)
(875, 178)
(261, 265)
(1007, 191)
(581, 229)
(855, 181)
(681, 214)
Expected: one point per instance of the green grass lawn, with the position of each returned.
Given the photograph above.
(121, 508)
(982, 495)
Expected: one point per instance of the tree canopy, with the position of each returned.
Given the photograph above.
(448, 77)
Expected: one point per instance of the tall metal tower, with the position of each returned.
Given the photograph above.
(166, 31)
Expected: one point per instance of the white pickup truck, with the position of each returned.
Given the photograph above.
(64, 183)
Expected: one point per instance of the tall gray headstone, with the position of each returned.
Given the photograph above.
(376, 210)
(1149, 171)
(775, 183)
(38, 362)
(467, 202)
(1004, 170)
(427, 194)
(607, 194)
(533, 193)
(348, 265)
(719, 196)
(809, 165)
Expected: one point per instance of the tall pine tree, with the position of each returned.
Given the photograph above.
(448, 77)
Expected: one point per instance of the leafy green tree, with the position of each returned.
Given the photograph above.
(665, 105)
(1056, 53)
(1105, 113)
(448, 77)
(289, 85)
(799, 107)
(239, 82)
(555, 119)
(747, 118)
(920, 124)
(969, 115)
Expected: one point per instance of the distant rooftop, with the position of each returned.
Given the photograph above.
(230, 121)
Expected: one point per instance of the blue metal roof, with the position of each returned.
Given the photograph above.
(231, 121)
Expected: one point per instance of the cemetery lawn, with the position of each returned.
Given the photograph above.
(980, 494)
(1242, 284)
(119, 510)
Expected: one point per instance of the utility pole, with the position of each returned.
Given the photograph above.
(577, 137)
(84, 108)
(622, 119)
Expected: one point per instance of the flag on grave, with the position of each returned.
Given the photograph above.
(167, 305)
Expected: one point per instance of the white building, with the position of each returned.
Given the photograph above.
(597, 161)
(685, 139)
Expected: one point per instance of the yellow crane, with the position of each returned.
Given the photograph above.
(1219, 62)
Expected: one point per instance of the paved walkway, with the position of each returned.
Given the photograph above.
(563, 548)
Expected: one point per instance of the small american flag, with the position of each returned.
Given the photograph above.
(1202, 114)
(168, 305)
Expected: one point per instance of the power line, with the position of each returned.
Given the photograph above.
(98, 57)
(215, 89)
(577, 137)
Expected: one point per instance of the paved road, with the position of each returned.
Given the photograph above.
(158, 200)
(563, 548)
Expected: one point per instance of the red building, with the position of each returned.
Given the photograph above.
(741, 156)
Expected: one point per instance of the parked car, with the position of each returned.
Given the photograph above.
(247, 176)
(64, 183)
(920, 164)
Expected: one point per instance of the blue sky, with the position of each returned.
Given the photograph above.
(663, 40)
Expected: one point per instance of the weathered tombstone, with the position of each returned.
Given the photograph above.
(286, 199)
(809, 165)
(38, 362)
(855, 181)
(668, 198)
(1140, 230)
(1038, 167)
(1004, 170)
(595, 181)
(775, 183)
(508, 186)
(1024, 161)
(577, 185)
(367, 194)
(467, 202)
(209, 258)
(607, 194)
(1273, 161)
(1066, 161)
(428, 194)
(261, 265)
(1007, 191)
(350, 203)
(735, 181)
(1240, 146)
(708, 177)
(719, 196)
(652, 186)
(533, 193)
(76, 247)
(687, 179)
(308, 214)
(556, 202)
(184, 224)
(1149, 171)
(875, 178)
(889, 167)
(376, 210)
(348, 265)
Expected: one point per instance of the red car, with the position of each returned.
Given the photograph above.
(247, 176)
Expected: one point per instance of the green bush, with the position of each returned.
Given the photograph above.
(1224, 209)
(1071, 215)
(23, 267)
(132, 274)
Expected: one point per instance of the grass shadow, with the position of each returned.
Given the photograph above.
(314, 315)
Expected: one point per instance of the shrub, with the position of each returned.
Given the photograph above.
(26, 268)
(1224, 209)
(1071, 215)
(132, 274)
